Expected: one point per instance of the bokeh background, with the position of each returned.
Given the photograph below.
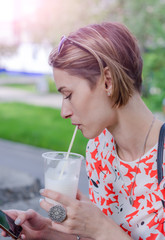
(31, 28)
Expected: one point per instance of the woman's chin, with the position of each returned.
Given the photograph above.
(89, 135)
(86, 134)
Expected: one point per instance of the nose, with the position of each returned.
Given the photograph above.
(66, 111)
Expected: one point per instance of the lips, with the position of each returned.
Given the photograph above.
(76, 124)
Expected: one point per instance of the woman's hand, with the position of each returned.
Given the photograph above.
(34, 225)
(83, 217)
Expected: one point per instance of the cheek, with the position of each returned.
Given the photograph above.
(82, 104)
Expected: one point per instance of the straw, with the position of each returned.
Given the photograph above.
(69, 149)
(71, 143)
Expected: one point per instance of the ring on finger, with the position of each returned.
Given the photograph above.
(57, 213)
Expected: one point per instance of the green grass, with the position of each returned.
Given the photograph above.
(38, 126)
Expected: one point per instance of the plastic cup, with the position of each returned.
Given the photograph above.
(61, 174)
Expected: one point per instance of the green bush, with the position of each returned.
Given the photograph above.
(154, 102)
(154, 71)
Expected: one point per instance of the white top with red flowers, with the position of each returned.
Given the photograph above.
(110, 183)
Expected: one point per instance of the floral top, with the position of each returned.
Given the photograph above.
(110, 183)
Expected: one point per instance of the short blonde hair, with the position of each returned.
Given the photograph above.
(86, 52)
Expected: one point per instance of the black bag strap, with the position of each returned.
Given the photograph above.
(160, 155)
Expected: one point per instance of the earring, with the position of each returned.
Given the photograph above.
(109, 94)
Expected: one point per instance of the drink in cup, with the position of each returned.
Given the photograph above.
(61, 171)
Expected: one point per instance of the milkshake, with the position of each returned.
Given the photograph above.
(61, 174)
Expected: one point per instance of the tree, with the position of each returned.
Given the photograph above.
(146, 19)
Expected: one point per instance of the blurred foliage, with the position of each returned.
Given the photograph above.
(154, 102)
(154, 72)
(51, 85)
(146, 19)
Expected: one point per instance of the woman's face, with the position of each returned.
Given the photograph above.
(89, 109)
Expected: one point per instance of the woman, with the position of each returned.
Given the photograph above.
(98, 70)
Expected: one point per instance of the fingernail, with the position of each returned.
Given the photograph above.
(41, 199)
(18, 221)
(41, 191)
(22, 236)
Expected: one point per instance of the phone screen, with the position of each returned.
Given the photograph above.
(7, 224)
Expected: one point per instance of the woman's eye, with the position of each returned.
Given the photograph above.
(68, 97)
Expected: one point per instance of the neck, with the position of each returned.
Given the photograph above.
(133, 124)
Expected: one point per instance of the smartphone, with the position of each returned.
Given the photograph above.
(8, 225)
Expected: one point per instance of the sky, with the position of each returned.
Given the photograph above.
(11, 9)
(14, 15)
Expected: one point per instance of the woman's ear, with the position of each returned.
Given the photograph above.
(108, 81)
